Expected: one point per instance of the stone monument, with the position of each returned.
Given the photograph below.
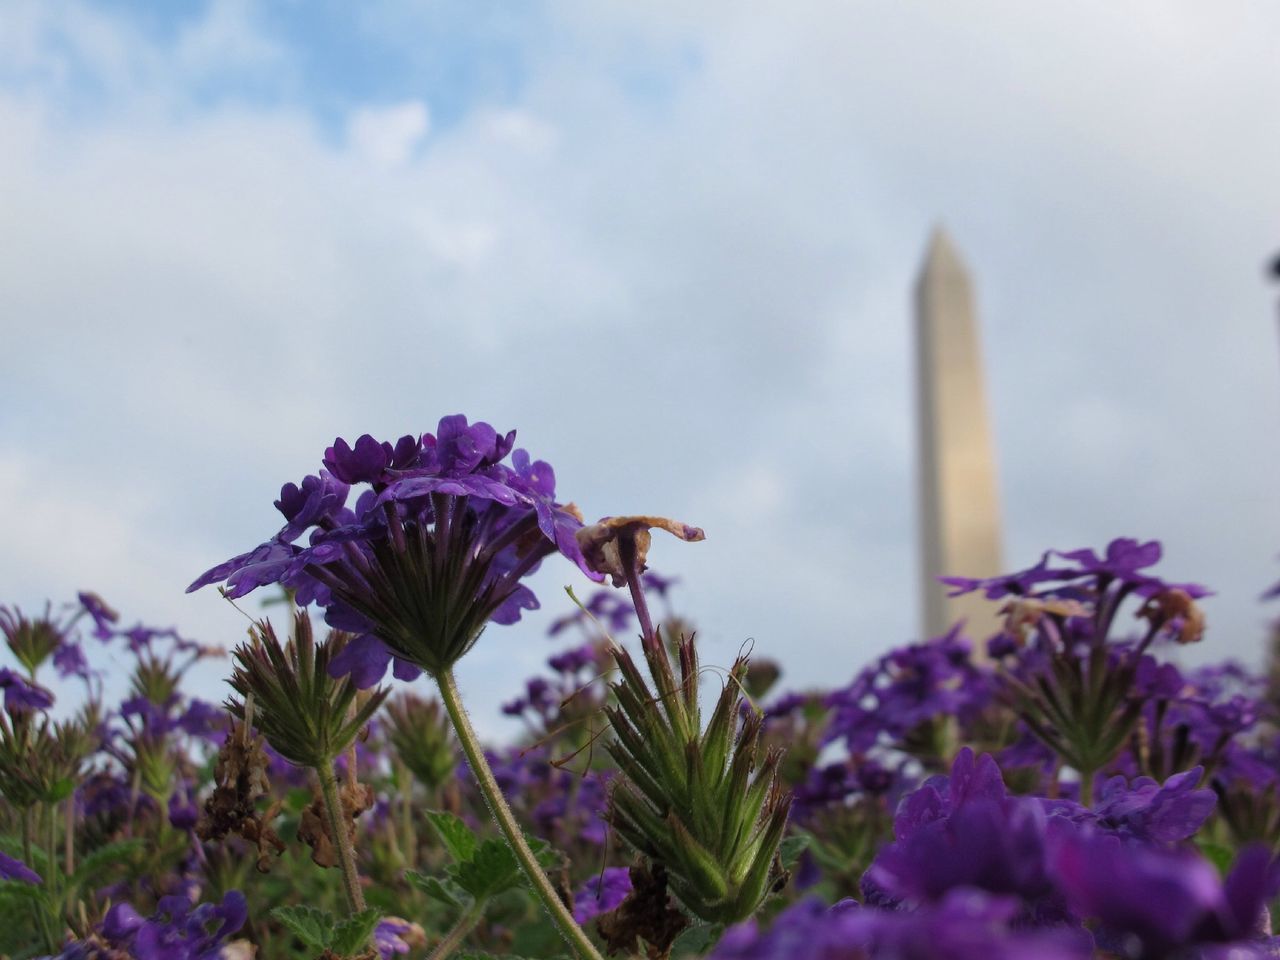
(959, 506)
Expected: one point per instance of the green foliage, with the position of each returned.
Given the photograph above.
(313, 927)
(98, 864)
(319, 931)
(454, 834)
(352, 934)
(481, 869)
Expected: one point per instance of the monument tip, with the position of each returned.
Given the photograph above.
(941, 256)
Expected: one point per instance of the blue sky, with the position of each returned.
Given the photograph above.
(672, 246)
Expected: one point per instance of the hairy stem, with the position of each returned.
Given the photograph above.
(458, 931)
(341, 837)
(497, 804)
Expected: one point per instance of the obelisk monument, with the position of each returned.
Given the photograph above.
(959, 506)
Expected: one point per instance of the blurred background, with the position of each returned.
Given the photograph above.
(675, 249)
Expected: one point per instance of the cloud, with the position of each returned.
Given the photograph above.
(388, 136)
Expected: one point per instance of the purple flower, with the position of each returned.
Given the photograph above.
(431, 552)
(1164, 899)
(964, 830)
(179, 931)
(393, 935)
(121, 922)
(69, 661)
(1123, 561)
(601, 893)
(20, 696)
(11, 869)
(966, 925)
(1143, 809)
(104, 618)
(905, 688)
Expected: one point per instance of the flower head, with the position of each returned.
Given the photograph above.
(435, 548)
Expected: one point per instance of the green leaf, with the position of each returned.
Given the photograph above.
(492, 870)
(60, 790)
(352, 934)
(697, 941)
(789, 850)
(456, 835)
(313, 927)
(27, 892)
(435, 888)
(105, 858)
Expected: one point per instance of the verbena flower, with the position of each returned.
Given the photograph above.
(22, 696)
(1165, 900)
(435, 548)
(890, 702)
(179, 930)
(602, 893)
(964, 830)
(11, 869)
(965, 925)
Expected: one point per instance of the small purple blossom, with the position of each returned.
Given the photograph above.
(11, 869)
(601, 893)
(22, 696)
(104, 618)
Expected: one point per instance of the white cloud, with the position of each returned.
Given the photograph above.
(389, 136)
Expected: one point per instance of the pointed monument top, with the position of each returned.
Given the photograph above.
(941, 258)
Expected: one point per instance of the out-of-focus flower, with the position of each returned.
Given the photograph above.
(965, 925)
(32, 640)
(21, 696)
(11, 869)
(394, 936)
(601, 893)
(964, 830)
(1166, 899)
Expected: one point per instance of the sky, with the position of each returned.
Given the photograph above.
(673, 246)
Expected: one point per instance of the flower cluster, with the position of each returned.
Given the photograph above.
(434, 547)
(1066, 794)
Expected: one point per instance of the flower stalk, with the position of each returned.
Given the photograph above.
(506, 820)
(341, 838)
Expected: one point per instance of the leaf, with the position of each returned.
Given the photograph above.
(697, 941)
(456, 835)
(60, 790)
(492, 870)
(352, 934)
(97, 863)
(20, 890)
(312, 926)
(435, 888)
(789, 850)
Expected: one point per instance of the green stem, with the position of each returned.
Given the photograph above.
(341, 837)
(1086, 788)
(458, 931)
(42, 917)
(497, 804)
